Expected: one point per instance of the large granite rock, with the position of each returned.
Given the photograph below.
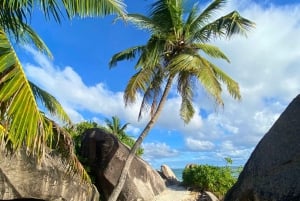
(22, 178)
(272, 173)
(107, 156)
(168, 175)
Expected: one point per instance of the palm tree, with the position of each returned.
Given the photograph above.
(174, 54)
(115, 127)
(21, 121)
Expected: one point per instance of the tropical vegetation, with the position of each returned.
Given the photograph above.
(114, 127)
(22, 123)
(211, 178)
(177, 54)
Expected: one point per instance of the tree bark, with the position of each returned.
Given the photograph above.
(118, 188)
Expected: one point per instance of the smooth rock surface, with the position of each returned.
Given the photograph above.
(168, 175)
(272, 173)
(107, 157)
(21, 177)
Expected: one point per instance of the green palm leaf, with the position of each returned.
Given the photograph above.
(152, 93)
(227, 26)
(50, 103)
(171, 12)
(127, 54)
(151, 55)
(185, 89)
(22, 118)
(232, 86)
(210, 50)
(138, 82)
(143, 22)
(195, 23)
(115, 127)
(21, 32)
(94, 7)
(208, 79)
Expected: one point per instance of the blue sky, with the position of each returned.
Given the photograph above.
(266, 64)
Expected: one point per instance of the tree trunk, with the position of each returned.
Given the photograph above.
(118, 188)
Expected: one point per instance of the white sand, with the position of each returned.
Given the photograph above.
(176, 193)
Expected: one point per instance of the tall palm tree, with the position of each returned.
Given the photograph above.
(21, 121)
(174, 55)
(115, 127)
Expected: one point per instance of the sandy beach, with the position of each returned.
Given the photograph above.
(177, 193)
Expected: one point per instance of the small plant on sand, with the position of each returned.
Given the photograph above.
(210, 178)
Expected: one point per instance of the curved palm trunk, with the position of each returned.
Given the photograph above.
(118, 188)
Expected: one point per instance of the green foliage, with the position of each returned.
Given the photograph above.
(210, 178)
(114, 126)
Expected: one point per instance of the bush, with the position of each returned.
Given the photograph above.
(209, 178)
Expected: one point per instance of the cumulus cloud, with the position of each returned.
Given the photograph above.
(73, 93)
(198, 145)
(76, 97)
(157, 152)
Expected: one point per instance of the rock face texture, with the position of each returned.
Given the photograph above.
(107, 157)
(272, 173)
(21, 178)
(168, 175)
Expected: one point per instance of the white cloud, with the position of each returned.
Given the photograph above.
(69, 89)
(198, 145)
(158, 150)
(238, 154)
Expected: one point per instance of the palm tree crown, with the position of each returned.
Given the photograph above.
(175, 50)
(115, 127)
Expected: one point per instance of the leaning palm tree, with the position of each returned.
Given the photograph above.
(174, 55)
(22, 123)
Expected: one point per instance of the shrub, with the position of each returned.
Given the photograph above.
(209, 178)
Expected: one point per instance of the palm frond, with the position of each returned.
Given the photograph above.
(211, 50)
(143, 22)
(22, 119)
(185, 89)
(206, 75)
(189, 21)
(152, 93)
(13, 21)
(127, 54)
(63, 144)
(151, 54)
(50, 103)
(160, 13)
(88, 8)
(226, 26)
(138, 82)
(205, 15)
(11, 14)
(3, 135)
(183, 62)
(28, 36)
(232, 86)
(176, 11)
(234, 23)
(123, 128)
(51, 8)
